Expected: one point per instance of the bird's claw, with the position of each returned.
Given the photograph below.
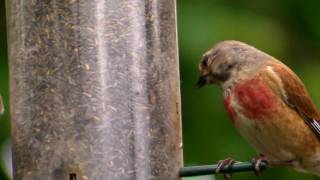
(256, 164)
(221, 164)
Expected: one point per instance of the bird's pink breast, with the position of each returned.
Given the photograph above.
(256, 100)
(229, 108)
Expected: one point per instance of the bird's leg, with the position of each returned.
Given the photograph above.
(256, 163)
(283, 163)
(221, 164)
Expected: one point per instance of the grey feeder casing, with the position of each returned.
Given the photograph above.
(94, 89)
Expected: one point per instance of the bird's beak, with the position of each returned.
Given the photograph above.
(202, 81)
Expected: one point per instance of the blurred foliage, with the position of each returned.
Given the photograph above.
(4, 90)
(286, 29)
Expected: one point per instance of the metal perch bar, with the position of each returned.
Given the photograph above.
(211, 169)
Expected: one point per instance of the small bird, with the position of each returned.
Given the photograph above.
(267, 103)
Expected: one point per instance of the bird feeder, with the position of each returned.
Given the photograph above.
(94, 88)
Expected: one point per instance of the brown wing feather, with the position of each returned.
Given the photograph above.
(296, 93)
(296, 96)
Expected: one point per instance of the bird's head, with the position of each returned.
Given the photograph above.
(229, 61)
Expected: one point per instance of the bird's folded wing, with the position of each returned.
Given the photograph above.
(297, 97)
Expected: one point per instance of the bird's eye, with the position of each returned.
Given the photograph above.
(230, 66)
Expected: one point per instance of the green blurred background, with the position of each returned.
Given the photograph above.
(286, 29)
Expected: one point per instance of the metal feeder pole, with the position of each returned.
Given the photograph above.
(211, 169)
(94, 89)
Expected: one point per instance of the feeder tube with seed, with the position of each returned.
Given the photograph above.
(94, 89)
